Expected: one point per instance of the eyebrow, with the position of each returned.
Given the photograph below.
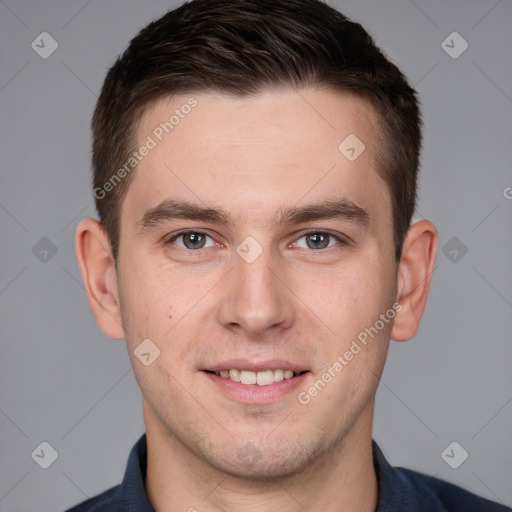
(169, 209)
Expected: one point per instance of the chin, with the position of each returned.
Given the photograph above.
(265, 465)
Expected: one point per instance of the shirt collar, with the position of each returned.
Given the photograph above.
(399, 488)
(395, 490)
(133, 491)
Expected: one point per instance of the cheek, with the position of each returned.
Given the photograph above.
(150, 296)
(348, 299)
(154, 307)
(165, 305)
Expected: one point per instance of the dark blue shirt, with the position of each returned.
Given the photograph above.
(400, 490)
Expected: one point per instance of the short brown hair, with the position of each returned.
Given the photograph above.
(238, 47)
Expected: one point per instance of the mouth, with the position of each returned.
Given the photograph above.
(260, 378)
(265, 382)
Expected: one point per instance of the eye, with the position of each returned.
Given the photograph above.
(191, 239)
(318, 240)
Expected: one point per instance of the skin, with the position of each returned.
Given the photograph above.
(253, 157)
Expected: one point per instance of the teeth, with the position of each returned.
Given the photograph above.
(278, 375)
(261, 378)
(234, 375)
(248, 377)
(265, 378)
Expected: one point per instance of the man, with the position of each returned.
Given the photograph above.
(255, 170)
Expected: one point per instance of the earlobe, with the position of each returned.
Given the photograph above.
(97, 267)
(414, 278)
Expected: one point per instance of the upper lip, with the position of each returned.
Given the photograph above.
(256, 366)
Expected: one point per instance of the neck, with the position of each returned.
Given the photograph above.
(341, 480)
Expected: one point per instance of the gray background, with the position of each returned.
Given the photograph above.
(62, 381)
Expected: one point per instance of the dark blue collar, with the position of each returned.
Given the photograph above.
(133, 491)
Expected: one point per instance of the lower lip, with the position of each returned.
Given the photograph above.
(254, 393)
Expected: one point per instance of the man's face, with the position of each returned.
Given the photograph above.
(261, 290)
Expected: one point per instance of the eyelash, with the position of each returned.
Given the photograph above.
(170, 240)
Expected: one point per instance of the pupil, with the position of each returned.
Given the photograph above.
(194, 238)
(319, 239)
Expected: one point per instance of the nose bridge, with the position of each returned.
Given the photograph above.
(256, 297)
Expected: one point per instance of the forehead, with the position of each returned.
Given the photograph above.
(274, 117)
(250, 154)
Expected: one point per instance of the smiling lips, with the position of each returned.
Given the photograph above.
(251, 382)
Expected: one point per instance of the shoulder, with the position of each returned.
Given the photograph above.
(405, 489)
(130, 494)
(108, 501)
(448, 496)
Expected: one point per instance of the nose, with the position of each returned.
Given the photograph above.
(256, 297)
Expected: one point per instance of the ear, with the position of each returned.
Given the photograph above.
(98, 270)
(414, 277)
